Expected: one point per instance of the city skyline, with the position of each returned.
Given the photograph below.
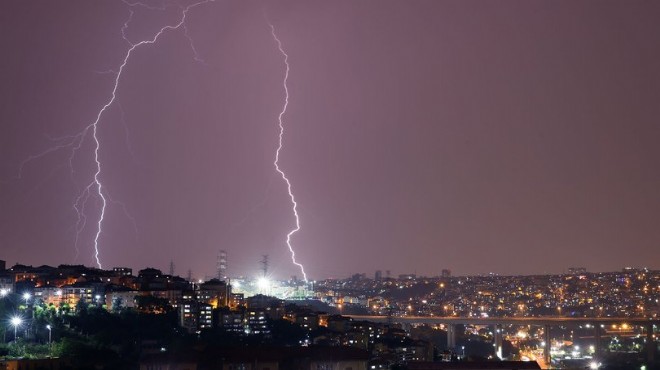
(512, 138)
(257, 274)
(577, 320)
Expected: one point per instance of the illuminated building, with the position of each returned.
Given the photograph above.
(214, 292)
(195, 316)
(232, 321)
(257, 322)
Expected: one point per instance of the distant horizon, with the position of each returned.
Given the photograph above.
(368, 275)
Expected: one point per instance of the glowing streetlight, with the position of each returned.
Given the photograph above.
(26, 297)
(4, 292)
(50, 332)
(16, 322)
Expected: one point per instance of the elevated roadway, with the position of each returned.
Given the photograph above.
(540, 321)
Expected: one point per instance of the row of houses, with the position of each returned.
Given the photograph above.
(66, 286)
(203, 306)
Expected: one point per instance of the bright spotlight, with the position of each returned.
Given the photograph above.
(263, 283)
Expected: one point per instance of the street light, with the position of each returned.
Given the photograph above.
(4, 292)
(26, 296)
(16, 322)
(50, 331)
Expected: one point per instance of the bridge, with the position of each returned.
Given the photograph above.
(547, 322)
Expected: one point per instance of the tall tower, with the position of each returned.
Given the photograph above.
(222, 265)
(264, 265)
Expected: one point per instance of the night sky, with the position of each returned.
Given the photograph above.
(514, 137)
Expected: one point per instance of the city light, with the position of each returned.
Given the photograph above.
(471, 304)
(263, 283)
(26, 297)
(4, 292)
(16, 322)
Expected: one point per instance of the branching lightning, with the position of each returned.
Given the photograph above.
(279, 148)
(74, 142)
(95, 188)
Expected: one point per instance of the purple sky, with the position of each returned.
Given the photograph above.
(513, 137)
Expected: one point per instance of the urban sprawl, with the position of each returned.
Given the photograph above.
(574, 320)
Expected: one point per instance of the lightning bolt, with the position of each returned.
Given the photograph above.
(75, 142)
(279, 148)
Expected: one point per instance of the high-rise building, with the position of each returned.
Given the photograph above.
(378, 275)
(222, 265)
